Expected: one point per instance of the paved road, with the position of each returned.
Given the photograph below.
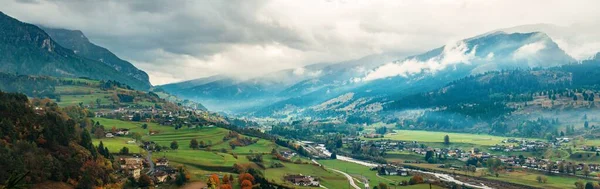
(441, 176)
(350, 179)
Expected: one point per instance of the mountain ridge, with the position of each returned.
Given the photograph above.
(27, 49)
(77, 41)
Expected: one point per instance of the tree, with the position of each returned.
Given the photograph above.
(561, 167)
(541, 179)
(579, 184)
(99, 132)
(225, 179)
(144, 126)
(136, 136)
(246, 184)
(174, 145)
(213, 181)
(589, 185)
(246, 176)
(383, 186)
(86, 142)
(333, 156)
(124, 151)
(144, 181)
(416, 179)
(428, 155)
(447, 140)
(98, 102)
(586, 170)
(181, 178)
(194, 144)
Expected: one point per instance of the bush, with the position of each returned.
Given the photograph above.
(417, 179)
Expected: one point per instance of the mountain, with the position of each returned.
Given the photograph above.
(81, 45)
(365, 86)
(371, 91)
(223, 93)
(27, 49)
(580, 41)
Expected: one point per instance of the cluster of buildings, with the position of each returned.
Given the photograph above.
(135, 167)
(514, 145)
(391, 170)
(117, 132)
(303, 180)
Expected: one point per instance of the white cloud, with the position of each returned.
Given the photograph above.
(252, 38)
(528, 50)
(490, 56)
(454, 53)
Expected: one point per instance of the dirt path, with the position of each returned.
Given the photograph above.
(194, 185)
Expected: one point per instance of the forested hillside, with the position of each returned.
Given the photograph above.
(41, 143)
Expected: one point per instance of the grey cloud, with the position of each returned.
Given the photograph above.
(176, 40)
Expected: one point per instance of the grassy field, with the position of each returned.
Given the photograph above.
(438, 137)
(359, 171)
(330, 179)
(527, 178)
(115, 144)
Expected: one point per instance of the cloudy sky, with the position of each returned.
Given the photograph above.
(180, 40)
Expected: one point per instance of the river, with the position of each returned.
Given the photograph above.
(441, 176)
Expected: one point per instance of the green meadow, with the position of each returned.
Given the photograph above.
(438, 137)
(359, 172)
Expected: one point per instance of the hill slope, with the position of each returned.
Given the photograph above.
(27, 49)
(79, 43)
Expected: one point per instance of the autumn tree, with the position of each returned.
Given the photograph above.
(213, 181)
(416, 179)
(246, 184)
(144, 181)
(246, 176)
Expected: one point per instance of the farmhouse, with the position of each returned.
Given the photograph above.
(132, 166)
(301, 180)
(162, 162)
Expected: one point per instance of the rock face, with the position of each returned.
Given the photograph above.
(79, 43)
(27, 49)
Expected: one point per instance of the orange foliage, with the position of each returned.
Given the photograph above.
(246, 177)
(246, 184)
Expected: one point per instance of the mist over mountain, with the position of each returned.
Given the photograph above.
(27, 49)
(225, 93)
(367, 84)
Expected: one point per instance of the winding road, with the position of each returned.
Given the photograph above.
(350, 179)
(441, 176)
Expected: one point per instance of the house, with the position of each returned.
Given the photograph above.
(121, 132)
(131, 162)
(389, 170)
(403, 172)
(301, 180)
(160, 176)
(109, 135)
(162, 162)
(134, 172)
